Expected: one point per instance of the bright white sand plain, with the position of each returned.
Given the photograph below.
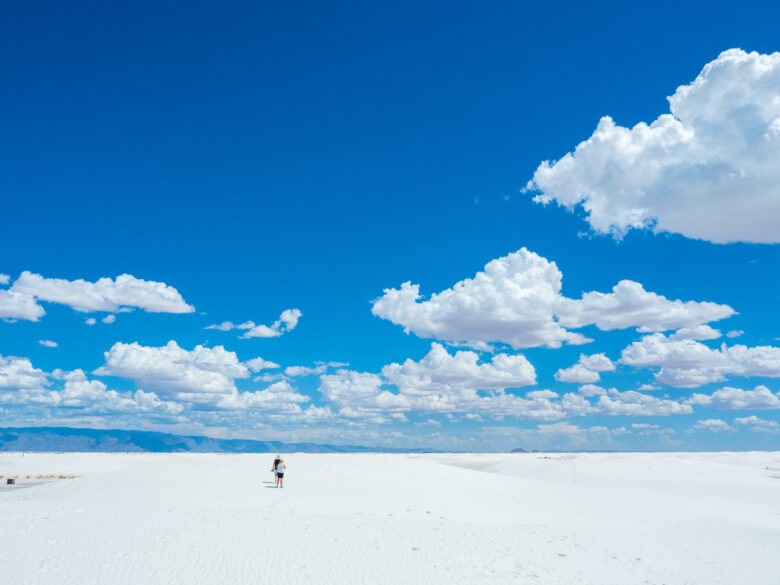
(705, 518)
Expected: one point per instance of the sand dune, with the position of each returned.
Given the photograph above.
(520, 518)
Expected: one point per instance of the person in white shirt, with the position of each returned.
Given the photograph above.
(280, 469)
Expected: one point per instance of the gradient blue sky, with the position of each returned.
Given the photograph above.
(259, 157)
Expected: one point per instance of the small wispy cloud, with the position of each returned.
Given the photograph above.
(286, 322)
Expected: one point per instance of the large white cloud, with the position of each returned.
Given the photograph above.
(586, 370)
(439, 371)
(686, 363)
(171, 368)
(708, 169)
(728, 398)
(110, 295)
(513, 300)
(516, 300)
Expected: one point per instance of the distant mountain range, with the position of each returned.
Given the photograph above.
(61, 439)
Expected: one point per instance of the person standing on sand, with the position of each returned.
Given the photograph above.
(276, 462)
(280, 469)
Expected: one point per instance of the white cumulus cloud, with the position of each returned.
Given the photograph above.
(259, 363)
(591, 390)
(319, 368)
(360, 395)
(737, 399)
(29, 387)
(758, 425)
(630, 305)
(224, 326)
(18, 373)
(634, 403)
(280, 397)
(110, 295)
(172, 369)
(48, 343)
(442, 383)
(706, 170)
(700, 332)
(16, 305)
(686, 363)
(516, 300)
(21, 301)
(715, 425)
(439, 371)
(93, 396)
(586, 370)
(446, 384)
(513, 300)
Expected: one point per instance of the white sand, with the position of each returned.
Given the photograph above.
(529, 518)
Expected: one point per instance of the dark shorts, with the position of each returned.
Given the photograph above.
(280, 475)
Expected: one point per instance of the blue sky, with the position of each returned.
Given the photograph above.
(262, 158)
